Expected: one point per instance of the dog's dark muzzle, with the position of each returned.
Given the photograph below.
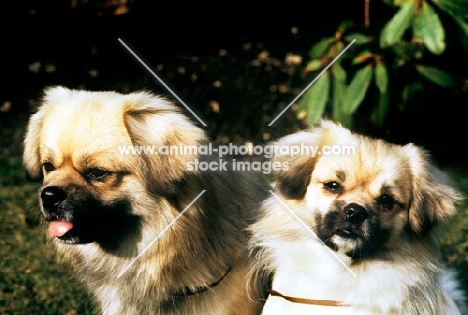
(354, 217)
(66, 214)
(355, 214)
(51, 198)
(75, 216)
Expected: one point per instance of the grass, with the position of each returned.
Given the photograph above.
(33, 282)
(31, 279)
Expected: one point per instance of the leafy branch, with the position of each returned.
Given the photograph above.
(414, 31)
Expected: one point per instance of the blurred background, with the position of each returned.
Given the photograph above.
(237, 66)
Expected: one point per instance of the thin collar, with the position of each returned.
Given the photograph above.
(187, 291)
(307, 301)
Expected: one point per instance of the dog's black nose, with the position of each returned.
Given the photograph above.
(355, 213)
(52, 196)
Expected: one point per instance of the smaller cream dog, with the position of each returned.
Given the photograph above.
(352, 228)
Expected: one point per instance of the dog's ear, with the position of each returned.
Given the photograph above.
(31, 146)
(294, 152)
(434, 196)
(292, 181)
(153, 122)
(32, 140)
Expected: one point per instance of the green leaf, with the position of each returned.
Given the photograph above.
(338, 93)
(339, 74)
(456, 8)
(362, 57)
(321, 48)
(435, 75)
(463, 26)
(410, 89)
(302, 105)
(344, 25)
(396, 27)
(339, 90)
(357, 89)
(359, 37)
(428, 28)
(399, 3)
(337, 48)
(396, 3)
(404, 49)
(380, 111)
(338, 112)
(315, 99)
(381, 77)
(314, 65)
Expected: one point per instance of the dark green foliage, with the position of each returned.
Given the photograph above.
(414, 35)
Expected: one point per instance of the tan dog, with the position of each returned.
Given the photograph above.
(353, 228)
(117, 216)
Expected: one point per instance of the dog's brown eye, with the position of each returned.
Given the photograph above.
(96, 173)
(48, 167)
(333, 187)
(386, 201)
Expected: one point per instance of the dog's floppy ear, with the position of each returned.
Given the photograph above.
(32, 140)
(153, 122)
(31, 157)
(293, 152)
(434, 196)
(292, 181)
(31, 143)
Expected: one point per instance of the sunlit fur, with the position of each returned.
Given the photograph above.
(79, 130)
(390, 264)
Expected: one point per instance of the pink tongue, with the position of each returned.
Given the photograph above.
(59, 228)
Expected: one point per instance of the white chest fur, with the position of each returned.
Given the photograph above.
(308, 269)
